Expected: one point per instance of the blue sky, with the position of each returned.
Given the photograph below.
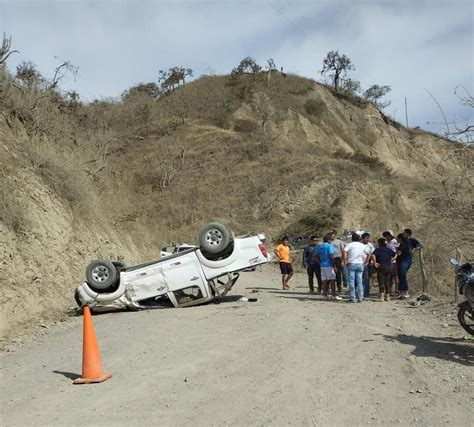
(413, 46)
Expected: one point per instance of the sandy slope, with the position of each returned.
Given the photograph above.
(289, 358)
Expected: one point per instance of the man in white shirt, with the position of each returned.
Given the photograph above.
(355, 256)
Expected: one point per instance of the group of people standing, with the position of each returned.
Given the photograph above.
(336, 264)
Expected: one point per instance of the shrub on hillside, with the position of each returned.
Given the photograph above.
(298, 86)
(372, 163)
(317, 220)
(315, 107)
(13, 209)
(352, 98)
(245, 125)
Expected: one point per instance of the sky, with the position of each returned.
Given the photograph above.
(423, 49)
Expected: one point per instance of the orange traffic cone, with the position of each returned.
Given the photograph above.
(91, 362)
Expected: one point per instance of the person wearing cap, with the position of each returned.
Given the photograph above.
(392, 244)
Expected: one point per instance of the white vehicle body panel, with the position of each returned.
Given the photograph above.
(187, 271)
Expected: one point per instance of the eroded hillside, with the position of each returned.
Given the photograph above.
(121, 179)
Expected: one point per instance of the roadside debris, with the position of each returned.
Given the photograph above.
(246, 299)
(420, 300)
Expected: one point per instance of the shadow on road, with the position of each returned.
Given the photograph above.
(69, 375)
(226, 298)
(261, 288)
(442, 348)
(289, 292)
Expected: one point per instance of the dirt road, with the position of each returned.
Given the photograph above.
(289, 358)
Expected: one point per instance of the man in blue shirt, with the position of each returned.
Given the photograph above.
(311, 264)
(413, 245)
(325, 254)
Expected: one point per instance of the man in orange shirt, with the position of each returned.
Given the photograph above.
(282, 251)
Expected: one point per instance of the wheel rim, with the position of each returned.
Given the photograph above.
(214, 237)
(100, 273)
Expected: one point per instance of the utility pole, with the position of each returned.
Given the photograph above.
(406, 112)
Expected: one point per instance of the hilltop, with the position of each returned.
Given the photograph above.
(120, 179)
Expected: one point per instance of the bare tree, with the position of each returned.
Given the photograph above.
(270, 65)
(60, 72)
(28, 74)
(374, 94)
(464, 131)
(5, 51)
(270, 68)
(452, 199)
(336, 65)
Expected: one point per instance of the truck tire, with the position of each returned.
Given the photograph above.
(101, 275)
(466, 317)
(214, 238)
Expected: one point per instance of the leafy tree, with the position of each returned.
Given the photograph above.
(248, 65)
(172, 78)
(336, 65)
(374, 94)
(351, 86)
(146, 89)
(27, 73)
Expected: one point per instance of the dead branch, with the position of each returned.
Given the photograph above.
(440, 109)
(5, 51)
(59, 73)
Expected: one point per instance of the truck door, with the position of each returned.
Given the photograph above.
(185, 279)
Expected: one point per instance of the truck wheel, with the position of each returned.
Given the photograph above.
(101, 274)
(466, 317)
(76, 298)
(214, 238)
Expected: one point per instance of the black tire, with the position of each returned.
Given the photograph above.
(76, 298)
(101, 275)
(214, 238)
(466, 317)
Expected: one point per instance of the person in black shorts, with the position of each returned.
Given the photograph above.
(282, 251)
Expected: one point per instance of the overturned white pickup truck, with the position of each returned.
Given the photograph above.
(187, 278)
